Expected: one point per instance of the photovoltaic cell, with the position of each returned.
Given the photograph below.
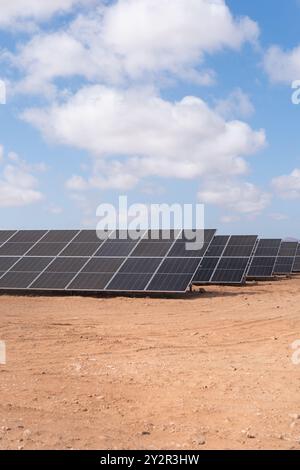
(140, 265)
(6, 263)
(103, 265)
(66, 265)
(81, 249)
(169, 283)
(5, 235)
(14, 249)
(90, 281)
(46, 249)
(15, 280)
(129, 282)
(52, 281)
(117, 249)
(60, 236)
(31, 264)
(28, 236)
(206, 270)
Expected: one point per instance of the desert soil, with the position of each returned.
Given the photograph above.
(213, 370)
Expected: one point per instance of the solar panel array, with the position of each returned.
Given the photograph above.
(226, 260)
(73, 260)
(263, 262)
(286, 258)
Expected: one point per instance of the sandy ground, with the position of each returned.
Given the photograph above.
(212, 371)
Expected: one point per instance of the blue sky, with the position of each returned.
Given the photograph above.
(96, 107)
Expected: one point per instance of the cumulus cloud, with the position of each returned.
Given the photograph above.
(134, 40)
(282, 66)
(288, 186)
(21, 13)
(135, 133)
(238, 196)
(18, 185)
(237, 105)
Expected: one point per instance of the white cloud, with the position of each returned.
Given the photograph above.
(21, 12)
(136, 40)
(17, 183)
(238, 196)
(135, 133)
(282, 66)
(288, 186)
(236, 105)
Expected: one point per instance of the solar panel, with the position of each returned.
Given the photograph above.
(74, 260)
(263, 262)
(226, 261)
(211, 259)
(296, 266)
(286, 258)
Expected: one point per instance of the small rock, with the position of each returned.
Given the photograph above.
(294, 416)
(200, 441)
(27, 433)
(146, 433)
(250, 435)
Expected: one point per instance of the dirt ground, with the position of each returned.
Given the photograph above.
(209, 371)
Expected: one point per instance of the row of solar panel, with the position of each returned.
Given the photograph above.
(89, 261)
(80, 260)
(268, 257)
